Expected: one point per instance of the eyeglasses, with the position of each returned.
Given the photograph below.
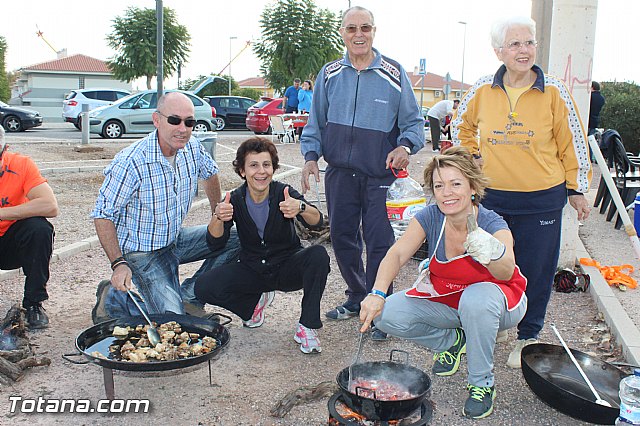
(175, 121)
(516, 45)
(352, 29)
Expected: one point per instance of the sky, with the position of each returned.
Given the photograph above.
(407, 30)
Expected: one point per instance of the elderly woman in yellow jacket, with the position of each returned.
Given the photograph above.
(533, 148)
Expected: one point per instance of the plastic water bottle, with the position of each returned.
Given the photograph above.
(405, 198)
(630, 400)
(636, 214)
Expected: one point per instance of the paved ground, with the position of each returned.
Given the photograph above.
(259, 367)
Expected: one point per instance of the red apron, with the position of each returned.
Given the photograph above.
(450, 278)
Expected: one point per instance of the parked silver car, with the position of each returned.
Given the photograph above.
(133, 115)
(73, 101)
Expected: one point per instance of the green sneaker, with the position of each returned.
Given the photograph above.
(447, 362)
(480, 402)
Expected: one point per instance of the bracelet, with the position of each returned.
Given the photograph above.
(123, 262)
(504, 250)
(379, 293)
(117, 262)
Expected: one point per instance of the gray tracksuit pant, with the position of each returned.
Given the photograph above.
(433, 324)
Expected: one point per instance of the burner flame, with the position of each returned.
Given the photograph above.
(350, 415)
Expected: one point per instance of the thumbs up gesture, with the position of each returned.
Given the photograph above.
(480, 245)
(224, 209)
(290, 207)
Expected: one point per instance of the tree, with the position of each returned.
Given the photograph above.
(134, 40)
(297, 40)
(621, 111)
(5, 90)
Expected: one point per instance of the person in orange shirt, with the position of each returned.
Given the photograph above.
(26, 237)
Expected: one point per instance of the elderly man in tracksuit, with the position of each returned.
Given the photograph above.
(364, 120)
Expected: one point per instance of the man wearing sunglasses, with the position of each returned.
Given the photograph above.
(364, 120)
(146, 195)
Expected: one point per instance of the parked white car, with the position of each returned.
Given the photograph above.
(133, 115)
(73, 101)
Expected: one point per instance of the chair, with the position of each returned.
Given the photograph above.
(618, 160)
(282, 129)
(626, 175)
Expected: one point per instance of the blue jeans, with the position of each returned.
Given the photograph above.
(155, 273)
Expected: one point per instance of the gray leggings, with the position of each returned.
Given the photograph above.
(433, 324)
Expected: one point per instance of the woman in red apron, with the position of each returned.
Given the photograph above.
(468, 288)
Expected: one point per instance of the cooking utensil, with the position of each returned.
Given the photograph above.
(415, 380)
(356, 358)
(584, 376)
(556, 381)
(99, 337)
(152, 332)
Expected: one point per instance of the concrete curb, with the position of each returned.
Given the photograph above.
(622, 327)
(73, 169)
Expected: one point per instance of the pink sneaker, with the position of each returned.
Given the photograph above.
(257, 319)
(308, 339)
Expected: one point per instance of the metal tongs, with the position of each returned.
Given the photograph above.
(152, 331)
(355, 359)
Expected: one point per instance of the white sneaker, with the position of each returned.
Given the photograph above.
(257, 319)
(502, 336)
(308, 339)
(514, 360)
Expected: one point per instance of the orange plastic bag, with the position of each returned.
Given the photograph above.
(613, 274)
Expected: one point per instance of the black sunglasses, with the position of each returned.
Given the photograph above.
(175, 121)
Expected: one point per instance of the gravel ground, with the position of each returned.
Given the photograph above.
(260, 366)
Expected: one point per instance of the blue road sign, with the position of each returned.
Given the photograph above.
(423, 66)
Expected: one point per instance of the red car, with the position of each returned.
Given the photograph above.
(258, 115)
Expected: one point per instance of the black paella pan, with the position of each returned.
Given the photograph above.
(551, 375)
(415, 380)
(100, 336)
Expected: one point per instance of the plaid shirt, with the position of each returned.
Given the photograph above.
(145, 197)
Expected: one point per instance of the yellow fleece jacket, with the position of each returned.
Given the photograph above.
(537, 144)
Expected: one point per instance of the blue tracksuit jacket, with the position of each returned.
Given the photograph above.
(358, 117)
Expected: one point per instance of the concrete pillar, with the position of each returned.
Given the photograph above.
(541, 11)
(571, 45)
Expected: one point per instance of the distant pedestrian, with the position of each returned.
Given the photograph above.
(291, 97)
(437, 115)
(304, 97)
(597, 102)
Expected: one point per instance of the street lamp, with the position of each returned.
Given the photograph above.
(230, 38)
(464, 45)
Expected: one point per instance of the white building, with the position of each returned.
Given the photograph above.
(43, 86)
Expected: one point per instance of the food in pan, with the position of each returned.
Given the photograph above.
(381, 390)
(132, 344)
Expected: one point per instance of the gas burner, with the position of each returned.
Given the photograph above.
(341, 415)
